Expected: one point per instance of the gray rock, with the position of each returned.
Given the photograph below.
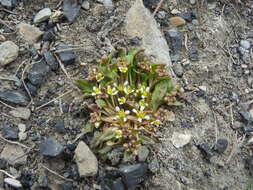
(14, 97)
(21, 127)
(67, 57)
(174, 39)
(42, 15)
(60, 126)
(108, 4)
(51, 148)
(221, 145)
(71, 9)
(193, 2)
(178, 69)
(140, 22)
(9, 132)
(179, 140)
(245, 44)
(143, 153)
(86, 5)
(8, 52)
(29, 33)
(161, 14)
(8, 3)
(21, 112)
(86, 161)
(193, 54)
(13, 154)
(51, 61)
(22, 136)
(38, 73)
(13, 182)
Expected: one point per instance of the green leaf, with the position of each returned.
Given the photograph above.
(128, 156)
(130, 56)
(105, 149)
(147, 140)
(101, 103)
(122, 52)
(88, 128)
(84, 85)
(158, 94)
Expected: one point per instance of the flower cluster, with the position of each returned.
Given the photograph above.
(128, 91)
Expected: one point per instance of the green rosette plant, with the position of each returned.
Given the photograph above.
(128, 92)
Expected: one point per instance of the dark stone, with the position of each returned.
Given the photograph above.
(188, 16)
(51, 148)
(13, 96)
(51, 60)
(247, 130)
(205, 150)
(117, 184)
(249, 164)
(67, 186)
(9, 132)
(3, 164)
(246, 116)
(43, 181)
(60, 126)
(67, 57)
(178, 69)
(9, 4)
(41, 102)
(174, 39)
(175, 58)
(65, 108)
(193, 54)
(71, 9)
(32, 89)
(73, 172)
(132, 175)
(34, 53)
(38, 73)
(27, 179)
(136, 41)
(48, 36)
(221, 145)
(151, 4)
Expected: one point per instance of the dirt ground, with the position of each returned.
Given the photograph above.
(207, 115)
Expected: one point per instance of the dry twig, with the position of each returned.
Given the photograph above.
(14, 142)
(55, 173)
(158, 7)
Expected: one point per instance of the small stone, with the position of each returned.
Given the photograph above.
(175, 58)
(195, 22)
(193, 2)
(71, 10)
(43, 181)
(21, 127)
(21, 112)
(14, 155)
(221, 145)
(177, 21)
(132, 175)
(9, 4)
(118, 185)
(86, 5)
(108, 4)
(249, 164)
(175, 12)
(22, 136)
(203, 88)
(2, 38)
(247, 130)
(48, 36)
(179, 140)
(29, 33)
(245, 44)
(174, 39)
(60, 126)
(205, 150)
(8, 52)
(161, 14)
(86, 161)
(13, 182)
(154, 166)
(143, 153)
(67, 57)
(51, 61)
(14, 97)
(246, 116)
(37, 74)
(193, 54)
(9, 132)
(42, 15)
(3, 164)
(186, 16)
(51, 148)
(178, 69)
(33, 89)
(211, 5)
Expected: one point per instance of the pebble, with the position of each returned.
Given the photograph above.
(246, 116)
(21, 112)
(132, 175)
(3, 163)
(86, 5)
(108, 4)
(67, 57)
(193, 54)
(33, 89)
(51, 148)
(161, 14)
(249, 164)
(22, 136)
(9, 132)
(42, 15)
(60, 126)
(178, 69)
(71, 10)
(177, 21)
(86, 161)
(179, 140)
(245, 44)
(193, 2)
(37, 74)
(29, 33)
(118, 184)
(187, 16)
(48, 36)
(51, 61)
(174, 39)
(9, 4)
(8, 52)
(143, 153)
(21, 127)
(13, 96)
(14, 155)
(221, 145)
(205, 150)
(13, 182)
(203, 88)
